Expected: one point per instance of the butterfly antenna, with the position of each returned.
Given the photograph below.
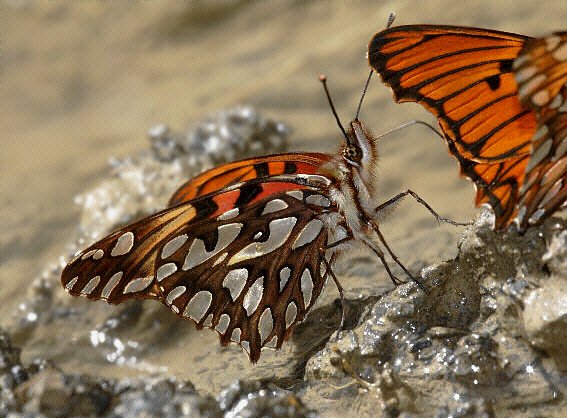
(411, 123)
(323, 79)
(391, 19)
(363, 94)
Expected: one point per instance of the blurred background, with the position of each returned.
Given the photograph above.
(84, 81)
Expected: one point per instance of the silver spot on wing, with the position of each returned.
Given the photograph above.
(198, 305)
(296, 194)
(280, 230)
(173, 245)
(174, 294)
(198, 254)
(284, 277)
(539, 154)
(274, 205)
(273, 343)
(72, 282)
(254, 296)
(235, 335)
(123, 244)
(234, 281)
(318, 200)
(309, 233)
(111, 284)
(98, 254)
(290, 314)
(165, 271)
(223, 324)
(265, 325)
(88, 254)
(139, 284)
(208, 321)
(90, 286)
(220, 259)
(306, 287)
(229, 214)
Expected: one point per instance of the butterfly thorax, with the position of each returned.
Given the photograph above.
(353, 185)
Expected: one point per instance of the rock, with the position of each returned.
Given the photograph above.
(471, 345)
(545, 319)
(253, 399)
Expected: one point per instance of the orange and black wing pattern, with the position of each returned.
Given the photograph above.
(541, 73)
(465, 77)
(248, 170)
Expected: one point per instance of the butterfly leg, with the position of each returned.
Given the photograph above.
(376, 250)
(339, 288)
(419, 200)
(376, 229)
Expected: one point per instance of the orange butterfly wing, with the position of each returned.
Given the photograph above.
(464, 76)
(541, 73)
(236, 172)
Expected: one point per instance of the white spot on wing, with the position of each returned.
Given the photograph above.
(98, 255)
(525, 73)
(90, 286)
(539, 154)
(198, 305)
(198, 254)
(208, 321)
(220, 259)
(254, 296)
(173, 245)
(111, 284)
(309, 232)
(318, 200)
(88, 254)
(280, 230)
(123, 244)
(551, 42)
(235, 335)
(174, 294)
(536, 216)
(296, 194)
(540, 98)
(273, 343)
(138, 284)
(528, 87)
(284, 277)
(234, 281)
(165, 271)
(229, 214)
(265, 325)
(306, 287)
(290, 314)
(72, 282)
(274, 205)
(223, 324)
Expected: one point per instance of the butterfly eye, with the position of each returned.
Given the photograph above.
(352, 154)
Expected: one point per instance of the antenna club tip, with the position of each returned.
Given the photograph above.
(322, 78)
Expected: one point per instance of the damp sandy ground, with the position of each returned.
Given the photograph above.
(82, 82)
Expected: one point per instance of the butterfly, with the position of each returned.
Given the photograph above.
(541, 73)
(480, 84)
(246, 248)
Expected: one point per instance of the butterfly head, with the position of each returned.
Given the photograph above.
(360, 155)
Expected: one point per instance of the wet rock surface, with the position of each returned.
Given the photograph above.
(487, 339)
